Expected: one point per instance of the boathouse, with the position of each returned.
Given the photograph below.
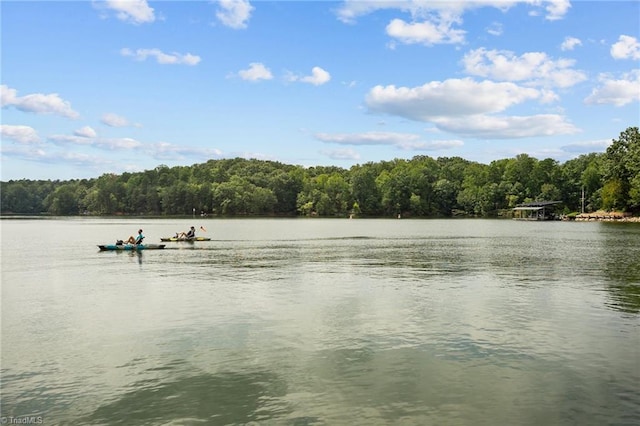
(538, 210)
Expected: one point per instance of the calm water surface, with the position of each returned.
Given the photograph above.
(322, 322)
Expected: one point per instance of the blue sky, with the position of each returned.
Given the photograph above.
(94, 87)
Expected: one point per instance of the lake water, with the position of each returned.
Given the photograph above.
(322, 322)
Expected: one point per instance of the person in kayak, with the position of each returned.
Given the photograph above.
(136, 240)
(190, 234)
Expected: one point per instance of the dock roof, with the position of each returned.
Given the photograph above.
(539, 204)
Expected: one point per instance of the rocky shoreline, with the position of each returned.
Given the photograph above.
(601, 216)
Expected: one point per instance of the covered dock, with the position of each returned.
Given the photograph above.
(539, 210)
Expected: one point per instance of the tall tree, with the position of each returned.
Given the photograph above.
(364, 189)
(621, 171)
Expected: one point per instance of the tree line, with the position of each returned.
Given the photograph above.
(419, 187)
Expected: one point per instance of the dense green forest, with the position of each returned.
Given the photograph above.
(419, 187)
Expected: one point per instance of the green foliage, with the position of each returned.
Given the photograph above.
(421, 186)
(444, 197)
(621, 170)
(64, 200)
(634, 191)
(613, 195)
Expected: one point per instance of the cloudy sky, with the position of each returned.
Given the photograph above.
(93, 87)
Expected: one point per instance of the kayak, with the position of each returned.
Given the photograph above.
(105, 247)
(174, 239)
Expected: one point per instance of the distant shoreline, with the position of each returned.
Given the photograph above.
(599, 216)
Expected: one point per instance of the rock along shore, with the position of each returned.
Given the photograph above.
(603, 216)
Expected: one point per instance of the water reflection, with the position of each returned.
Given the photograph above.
(625, 298)
(421, 385)
(621, 265)
(610, 260)
(130, 254)
(222, 398)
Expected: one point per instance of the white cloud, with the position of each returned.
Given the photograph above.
(533, 68)
(406, 141)
(37, 103)
(256, 71)
(7, 96)
(495, 29)
(70, 153)
(452, 97)
(435, 145)
(587, 146)
(352, 9)
(109, 144)
(79, 158)
(56, 157)
(85, 132)
(618, 92)
(22, 134)
(341, 154)
(627, 47)
(427, 33)
(548, 96)
(234, 13)
(570, 43)
(556, 9)
(491, 127)
(160, 150)
(465, 107)
(70, 140)
(19, 152)
(117, 144)
(432, 22)
(168, 151)
(134, 11)
(114, 120)
(161, 57)
(367, 138)
(250, 155)
(318, 77)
